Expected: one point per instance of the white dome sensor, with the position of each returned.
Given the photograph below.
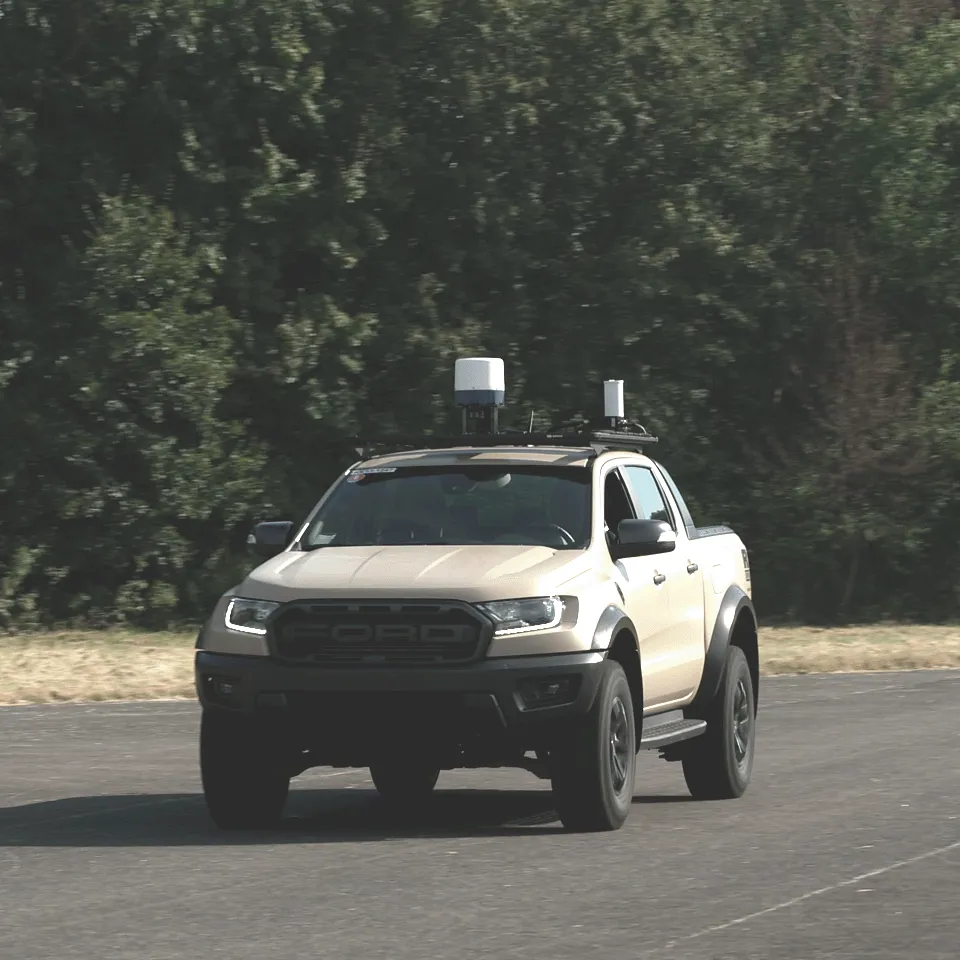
(479, 382)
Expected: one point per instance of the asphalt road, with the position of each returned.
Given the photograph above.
(846, 846)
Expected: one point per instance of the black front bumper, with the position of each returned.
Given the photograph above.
(512, 692)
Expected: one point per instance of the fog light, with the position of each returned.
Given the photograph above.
(535, 693)
(221, 689)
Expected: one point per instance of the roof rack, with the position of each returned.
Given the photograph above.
(631, 437)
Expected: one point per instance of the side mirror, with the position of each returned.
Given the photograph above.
(643, 538)
(270, 538)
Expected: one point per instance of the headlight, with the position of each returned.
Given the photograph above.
(519, 616)
(248, 616)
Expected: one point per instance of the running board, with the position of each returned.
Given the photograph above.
(669, 728)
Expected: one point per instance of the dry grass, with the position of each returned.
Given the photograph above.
(785, 650)
(108, 665)
(120, 665)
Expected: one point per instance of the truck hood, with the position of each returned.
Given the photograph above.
(468, 573)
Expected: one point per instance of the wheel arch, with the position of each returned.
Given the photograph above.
(736, 625)
(745, 637)
(617, 636)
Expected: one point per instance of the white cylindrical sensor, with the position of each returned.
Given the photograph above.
(479, 382)
(613, 399)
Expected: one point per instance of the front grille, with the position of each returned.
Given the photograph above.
(360, 633)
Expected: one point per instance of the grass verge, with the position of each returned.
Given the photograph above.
(792, 650)
(124, 665)
(95, 665)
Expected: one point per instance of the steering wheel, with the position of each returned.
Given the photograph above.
(566, 538)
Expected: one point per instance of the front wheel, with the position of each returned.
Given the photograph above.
(718, 764)
(244, 786)
(595, 770)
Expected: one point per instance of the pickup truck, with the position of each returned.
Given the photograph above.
(492, 600)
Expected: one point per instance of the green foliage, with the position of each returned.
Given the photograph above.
(235, 233)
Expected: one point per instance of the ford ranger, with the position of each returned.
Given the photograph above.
(494, 599)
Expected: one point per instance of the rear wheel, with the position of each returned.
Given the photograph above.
(404, 781)
(244, 784)
(595, 770)
(718, 764)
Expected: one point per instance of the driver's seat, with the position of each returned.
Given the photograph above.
(616, 506)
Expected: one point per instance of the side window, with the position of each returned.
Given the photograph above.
(646, 495)
(616, 504)
(677, 496)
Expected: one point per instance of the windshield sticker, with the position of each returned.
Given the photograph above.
(353, 476)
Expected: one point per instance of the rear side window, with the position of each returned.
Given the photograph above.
(646, 494)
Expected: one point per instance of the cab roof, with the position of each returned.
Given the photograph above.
(540, 456)
(558, 447)
(535, 456)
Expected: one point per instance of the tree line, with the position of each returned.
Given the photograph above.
(235, 233)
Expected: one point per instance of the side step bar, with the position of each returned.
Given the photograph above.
(659, 733)
(669, 728)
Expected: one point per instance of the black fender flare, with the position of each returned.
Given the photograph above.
(611, 623)
(735, 604)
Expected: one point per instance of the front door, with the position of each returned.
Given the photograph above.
(681, 658)
(645, 597)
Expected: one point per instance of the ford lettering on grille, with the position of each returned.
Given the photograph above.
(391, 633)
(316, 633)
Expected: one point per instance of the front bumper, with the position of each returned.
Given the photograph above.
(513, 692)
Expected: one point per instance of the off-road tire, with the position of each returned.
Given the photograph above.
(718, 764)
(244, 784)
(594, 771)
(404, 781)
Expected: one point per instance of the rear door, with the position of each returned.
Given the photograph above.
(681, 659)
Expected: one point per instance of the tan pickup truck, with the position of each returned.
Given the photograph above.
(494, 599)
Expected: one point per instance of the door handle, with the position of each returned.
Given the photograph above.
(692, 567)
(658, 578)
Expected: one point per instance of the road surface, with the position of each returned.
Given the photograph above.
(846, 846)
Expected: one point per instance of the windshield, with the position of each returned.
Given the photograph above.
(459, 505)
